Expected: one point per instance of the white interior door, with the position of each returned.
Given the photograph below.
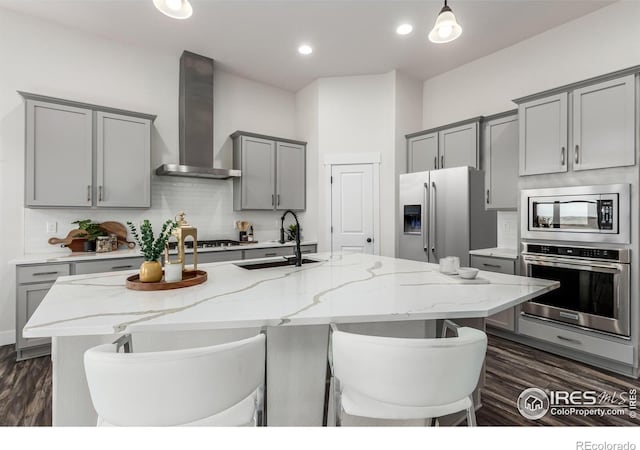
(352, 208)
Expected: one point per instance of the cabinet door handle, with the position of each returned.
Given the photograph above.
(272, 200)
(442, 162)
(488, 196)
(573, 341)
(562, 159)
(278, 199)
(494, 266)
(41, 274)
(122, 267)
(89, 193)
(435, 162)
(577, 153)
(270, 254)
(99, 193)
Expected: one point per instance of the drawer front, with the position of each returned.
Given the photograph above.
(308, 249)
(108, 265)
(210, 257)
(563, 337)
(489, 264)
(42, 272)
(268, 252)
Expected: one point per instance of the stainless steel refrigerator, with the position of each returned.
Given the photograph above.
(443, 214)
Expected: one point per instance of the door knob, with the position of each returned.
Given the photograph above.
(369, 240)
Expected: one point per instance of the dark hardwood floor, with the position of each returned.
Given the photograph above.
(25, 387)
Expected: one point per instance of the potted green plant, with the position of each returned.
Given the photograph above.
(292, 231)
(89, 231)
(152, 248)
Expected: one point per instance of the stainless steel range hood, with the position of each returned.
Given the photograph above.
(196, 122)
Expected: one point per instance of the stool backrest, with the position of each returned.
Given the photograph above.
(410, 372)
(173, 387)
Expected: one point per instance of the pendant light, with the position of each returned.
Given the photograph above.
(176, 9)
(446, 28)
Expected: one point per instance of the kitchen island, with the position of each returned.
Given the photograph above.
(367, 293)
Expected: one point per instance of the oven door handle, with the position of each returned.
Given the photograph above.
(575, 264)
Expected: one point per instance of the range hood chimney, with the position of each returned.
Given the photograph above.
(196, 122)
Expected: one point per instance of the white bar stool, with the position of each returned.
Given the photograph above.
(220, 385)
(403, 379)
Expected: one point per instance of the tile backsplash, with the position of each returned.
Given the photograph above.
(208, 205)
(508, 229)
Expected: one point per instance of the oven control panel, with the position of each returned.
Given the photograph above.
(576, 252)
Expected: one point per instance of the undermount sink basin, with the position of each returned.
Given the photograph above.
(273, 263)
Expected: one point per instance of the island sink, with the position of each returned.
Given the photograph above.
(276, 263)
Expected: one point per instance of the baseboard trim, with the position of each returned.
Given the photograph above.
(7, 337)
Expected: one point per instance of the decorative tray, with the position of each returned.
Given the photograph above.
(189, 278)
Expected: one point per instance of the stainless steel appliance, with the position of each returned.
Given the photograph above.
(580, 213)
(443, 214)
(594, 286)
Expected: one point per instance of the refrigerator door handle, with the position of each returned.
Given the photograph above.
(425, 218)
(433, 210)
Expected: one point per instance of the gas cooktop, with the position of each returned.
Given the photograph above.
(207, 244)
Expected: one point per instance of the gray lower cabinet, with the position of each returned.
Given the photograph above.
(227, 255)
(454, 145)
(506, 319)
(32, 284)
(82, 155)
(500, 161)
(422, 153)
(277, 251)
(273, 173)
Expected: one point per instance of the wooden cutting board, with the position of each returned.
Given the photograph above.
(119, 230)
(73, 234)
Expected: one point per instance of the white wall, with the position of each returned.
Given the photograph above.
(356, 115)
(45, 58)
(603, 41)
(408, 119)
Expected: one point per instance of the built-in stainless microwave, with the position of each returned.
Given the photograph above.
(580, 213)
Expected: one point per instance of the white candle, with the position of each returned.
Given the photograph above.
(172, 273)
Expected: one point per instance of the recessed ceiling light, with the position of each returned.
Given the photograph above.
(405, 28)
(176, 9)
(305, 50)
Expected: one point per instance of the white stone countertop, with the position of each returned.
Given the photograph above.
(496, 252)
(345, 288)
(68, 257)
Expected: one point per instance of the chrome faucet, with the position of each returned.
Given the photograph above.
(298, 252)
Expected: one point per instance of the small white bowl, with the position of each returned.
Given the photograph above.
(468, 273)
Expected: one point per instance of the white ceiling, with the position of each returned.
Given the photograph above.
(258, 39)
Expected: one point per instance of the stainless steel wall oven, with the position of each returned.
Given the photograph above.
(595, 286)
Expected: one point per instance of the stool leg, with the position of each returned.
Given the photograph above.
(337, 402)
(471, 414)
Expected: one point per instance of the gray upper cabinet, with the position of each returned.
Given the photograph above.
(58, 155)
(543, 135)
(273, 173)
(123, 166)
(453, 145)
(500, 161)
(604, 125)
(103, 153)
(290, 179)
(459, 146)
(586, 125)
(258, 173)
(422, 153)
